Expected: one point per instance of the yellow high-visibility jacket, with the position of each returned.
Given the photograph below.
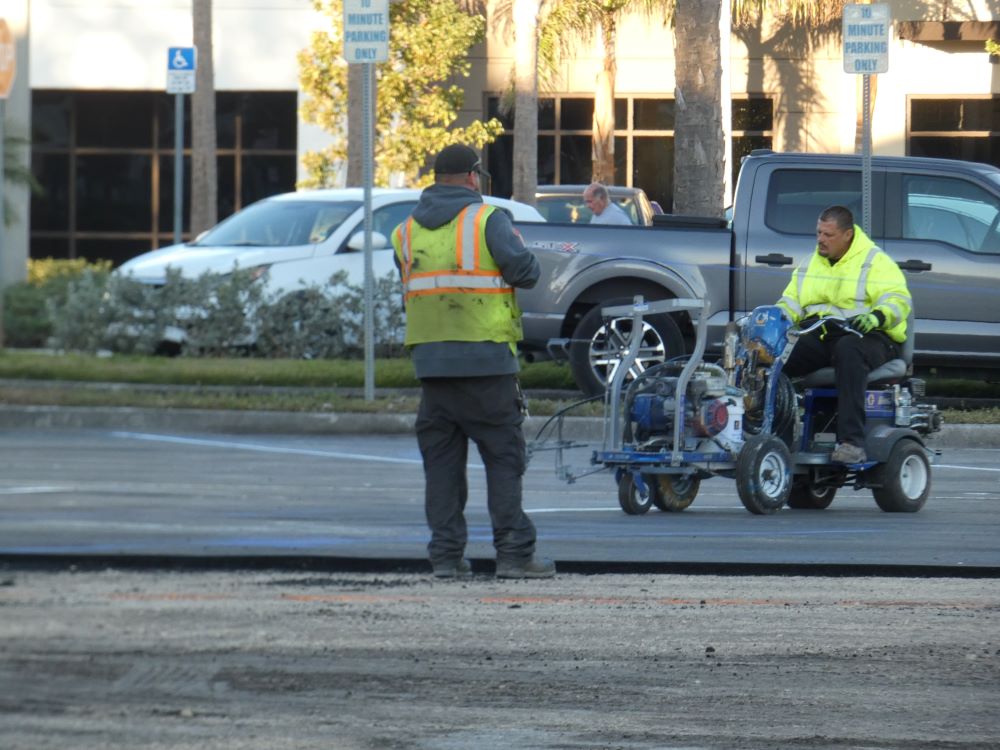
(865, 279)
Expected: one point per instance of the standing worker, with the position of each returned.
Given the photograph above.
(604, 210)
(460, 260)
(848, 276)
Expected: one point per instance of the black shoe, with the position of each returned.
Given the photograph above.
(533, 567)
(460, 568)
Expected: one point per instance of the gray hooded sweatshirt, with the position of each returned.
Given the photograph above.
(438, 205)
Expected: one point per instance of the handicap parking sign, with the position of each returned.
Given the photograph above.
(181, 65)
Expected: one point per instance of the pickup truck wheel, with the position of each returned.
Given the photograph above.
(597, 346)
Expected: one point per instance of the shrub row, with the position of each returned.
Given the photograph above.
(88, 308)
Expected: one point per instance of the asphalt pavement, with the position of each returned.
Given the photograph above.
(232, 489)
(328, 423)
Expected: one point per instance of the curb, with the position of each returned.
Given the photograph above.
(319, 423)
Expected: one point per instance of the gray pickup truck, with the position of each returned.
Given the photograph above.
(939, 219)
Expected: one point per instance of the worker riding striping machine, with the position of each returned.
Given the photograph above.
(682, 421)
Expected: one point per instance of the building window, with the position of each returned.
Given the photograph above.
(966, 128)
(106, 161)
(644, 141)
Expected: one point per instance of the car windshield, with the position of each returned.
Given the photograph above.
(284, 223)
(570, 208)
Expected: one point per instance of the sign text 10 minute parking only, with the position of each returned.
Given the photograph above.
(866, 38)
(366, 31)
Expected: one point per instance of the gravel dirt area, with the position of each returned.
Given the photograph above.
(145, 660)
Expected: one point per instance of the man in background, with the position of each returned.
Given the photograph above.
(603, 209)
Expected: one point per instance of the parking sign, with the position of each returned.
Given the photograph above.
(866, 38)
(181, 65)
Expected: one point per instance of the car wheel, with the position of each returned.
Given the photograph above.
(598, 344)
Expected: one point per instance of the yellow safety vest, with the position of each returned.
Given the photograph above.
(865, 279)
(453, 289)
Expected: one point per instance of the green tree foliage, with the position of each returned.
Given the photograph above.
(416, 106)
(568, 22)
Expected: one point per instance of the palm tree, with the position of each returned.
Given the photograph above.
(204, 176)
(525, 172)
(699, 141)
(572, 20)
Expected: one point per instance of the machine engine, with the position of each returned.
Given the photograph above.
(712, 410)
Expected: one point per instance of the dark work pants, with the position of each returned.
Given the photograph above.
(852, 357)
(486, 410)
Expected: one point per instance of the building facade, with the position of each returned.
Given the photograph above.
(102, 125)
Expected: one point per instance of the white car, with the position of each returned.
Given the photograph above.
(299, 239)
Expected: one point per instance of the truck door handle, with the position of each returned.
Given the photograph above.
(914, 265)
(774, 259)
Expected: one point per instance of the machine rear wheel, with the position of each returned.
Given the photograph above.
(806, 496)
(906, 479)
(631, 499)
(674, 492)
(763, 474)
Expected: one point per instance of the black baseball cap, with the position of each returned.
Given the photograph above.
(458, 159)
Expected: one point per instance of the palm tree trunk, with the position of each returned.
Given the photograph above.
(604, 106)
(699, 159)
(525, 174)
(204, 176)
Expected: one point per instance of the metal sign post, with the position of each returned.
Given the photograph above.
(366, 42)
(182, 62)
(867, 30)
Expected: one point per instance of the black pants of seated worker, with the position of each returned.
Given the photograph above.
(486, 410)
(852, 357)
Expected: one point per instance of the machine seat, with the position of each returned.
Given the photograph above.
(893, 370)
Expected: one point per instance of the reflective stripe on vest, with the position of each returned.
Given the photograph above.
(859, 293)
(469, 277)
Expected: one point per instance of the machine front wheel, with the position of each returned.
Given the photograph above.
(674, 492)
(906, 479)
(629, 497)
(808, 496)
(763, 474)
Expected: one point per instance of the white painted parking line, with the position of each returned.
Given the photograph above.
(264, 448)
(40, 490)
(965, 468)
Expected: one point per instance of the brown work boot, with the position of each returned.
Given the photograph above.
(848, 453)
(533, 567)
(460, 568)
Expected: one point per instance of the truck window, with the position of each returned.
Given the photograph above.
(796, 197)
(953, 211)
